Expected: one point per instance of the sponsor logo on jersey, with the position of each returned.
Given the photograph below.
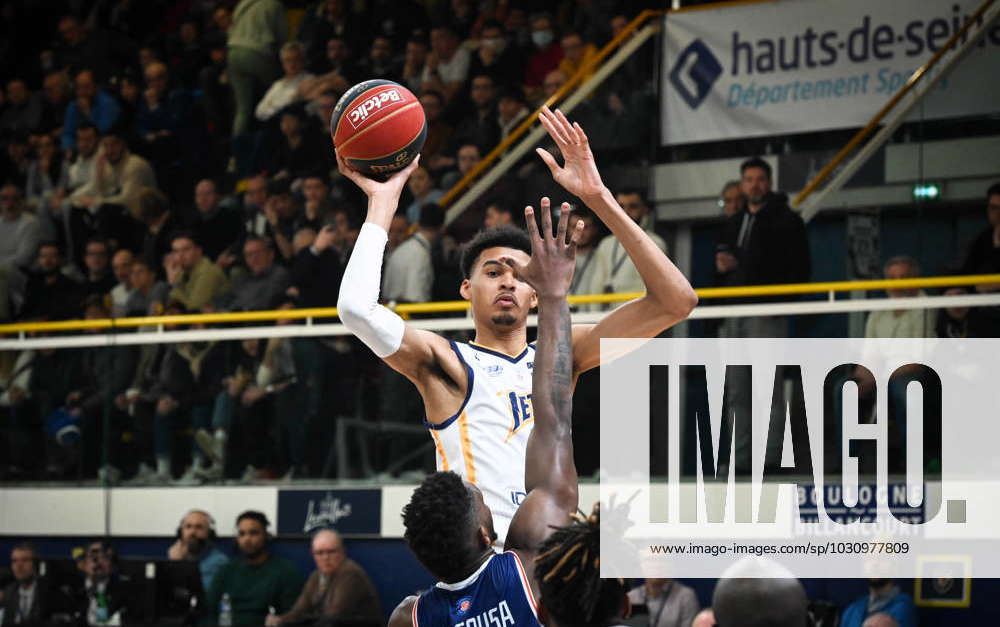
(463, 605)
(494, 370)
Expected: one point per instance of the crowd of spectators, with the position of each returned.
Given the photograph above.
(252, 587)
(169, 158)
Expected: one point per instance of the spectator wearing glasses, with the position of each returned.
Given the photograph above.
(337, 589)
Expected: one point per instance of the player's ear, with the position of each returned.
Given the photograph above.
(484, 536)
(534, 298)
(464, 289)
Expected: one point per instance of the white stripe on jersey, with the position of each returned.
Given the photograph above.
(486, 440)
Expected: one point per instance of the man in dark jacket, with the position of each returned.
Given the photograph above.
(762, 244)
(29, 599)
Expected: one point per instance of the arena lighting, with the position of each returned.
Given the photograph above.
(926, 191)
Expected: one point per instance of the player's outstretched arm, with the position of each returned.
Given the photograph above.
(549, 471)
(408, 350)
(669, 297)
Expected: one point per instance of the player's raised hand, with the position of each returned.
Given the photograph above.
(390, 188)
(578, 174)
(553, 257)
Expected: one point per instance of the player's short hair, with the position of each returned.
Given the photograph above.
(503, 236)
(568, 571)
(439, 522)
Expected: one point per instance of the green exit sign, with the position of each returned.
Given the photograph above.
(926, 191)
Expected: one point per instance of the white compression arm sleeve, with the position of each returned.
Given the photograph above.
(379, 328)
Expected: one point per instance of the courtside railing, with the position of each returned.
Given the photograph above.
(158, 329)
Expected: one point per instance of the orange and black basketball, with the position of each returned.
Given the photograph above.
(378, 126)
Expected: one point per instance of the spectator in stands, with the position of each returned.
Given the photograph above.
(764, 243)
(498, 214)
(438, 133)
(163, 120)
(423, 190)
(669, 602)
(340, 75)
(447, 63)
(106, 373)
(160, 225)
(512, 109)
(257, 579)
(467, 157)
(216, 226)
(381, 63)
(91, 105)
(496, 56)
(577, 54)
(196, 542)
(413, 65)
(325, 19)
(884, 597)
(121, 268)
(19, 231)
(339, 589)
(285, 90)
(98, 278)
(480, 127)
(187, 54)
(282, 216)
(81, 170)
(408, 270)
(158, 395)
(55, 99)
(399, 230)
(756, 592)
(81, 47)
(48, 174)
(196, 281)
(28, 599)
(15, 167)
(23, 111)
(104, 598)
(149, 295)
(731, 199)
(613, 270)
(953, 321)
(546, 53)
(298, 153)
(218, 95)
(265, 284)
(585, 252)
(109, 205)
(258, 29)
(316, 208)
(984, 258)
(50, 294)
(901, 322)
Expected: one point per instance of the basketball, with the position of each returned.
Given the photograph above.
(378, 126)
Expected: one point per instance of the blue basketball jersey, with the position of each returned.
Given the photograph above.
(496, 595)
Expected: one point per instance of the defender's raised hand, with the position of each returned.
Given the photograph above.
(553, 258)
(578, 175)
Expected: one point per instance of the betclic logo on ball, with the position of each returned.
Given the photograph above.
(382, 100)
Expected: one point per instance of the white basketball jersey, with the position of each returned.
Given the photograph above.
(486, 440)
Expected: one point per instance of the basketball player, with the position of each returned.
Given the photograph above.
(477, 396)
(449, 526)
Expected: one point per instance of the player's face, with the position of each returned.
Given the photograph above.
(496, 295)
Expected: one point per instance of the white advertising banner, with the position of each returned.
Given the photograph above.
(792, 66)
